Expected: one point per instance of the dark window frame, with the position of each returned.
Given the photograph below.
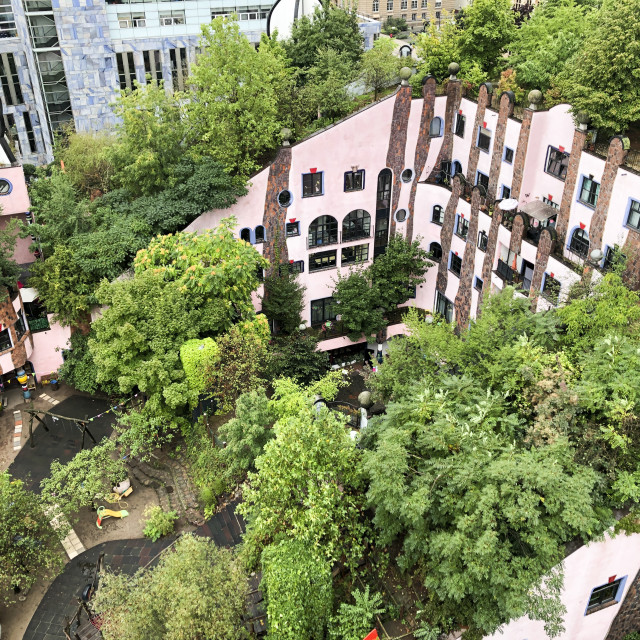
(444, 307)
(440, 220)
(462, 227)
(292, 229)
(506, 192)
(359, 254)
(579, 244)
(475, 283)
(321, 255)
(556, 163)
(435, 254)
(352, 179)
(460, 125)
(482, 137)
(483, 240)
(508, 155)
(327, 308)
(440, 128)
(310, 184)
(457, 260)
(263, 235)
(634, 209)
(551, 289)
(356, 226)
(482, 180)
(589, 194)
(323, 233)
(605, 595)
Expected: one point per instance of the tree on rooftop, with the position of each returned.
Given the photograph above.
(602, 78)
(229, 119)
(380, 66)
(330, 27)
(437, 48)
(29, 545)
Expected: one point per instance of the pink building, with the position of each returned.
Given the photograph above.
(498, 197)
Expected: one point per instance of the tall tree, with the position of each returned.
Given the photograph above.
(437, 48)
(380, 65)
(29, 546)
(602, 78)
(488, 27)
(197, 591)
(330, 27)
(229, 119)
(283, 299)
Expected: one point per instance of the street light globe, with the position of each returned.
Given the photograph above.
(597, 255)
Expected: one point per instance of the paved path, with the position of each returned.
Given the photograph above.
(127, 556)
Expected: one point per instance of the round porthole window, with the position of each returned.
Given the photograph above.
(285, 198)
(407, 175)
(5, 187)
(401, 215)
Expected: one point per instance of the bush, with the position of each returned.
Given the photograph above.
(159, 522)
(354, 621)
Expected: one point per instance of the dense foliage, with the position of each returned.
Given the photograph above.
(29, 546)
(196, 591)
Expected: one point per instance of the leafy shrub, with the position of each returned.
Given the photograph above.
(354, 621)
(159, 522)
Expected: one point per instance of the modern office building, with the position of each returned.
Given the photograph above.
(498, 195)
(64, 61)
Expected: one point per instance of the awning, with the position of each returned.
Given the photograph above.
(29, 294)
(539, 210)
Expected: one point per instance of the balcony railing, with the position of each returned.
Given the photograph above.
(509, 275)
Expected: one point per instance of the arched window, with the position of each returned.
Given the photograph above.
(323, 230)
(260, 234)
(356, 224)
(438, 214)
(435, 251)
(579, 242)
(457, 168)
(245, 235)
(435, 128)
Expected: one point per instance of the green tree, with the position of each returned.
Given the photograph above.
(437, 48)
(283, 299)
(330, 27)
(87, 478)
(308, 484)
(380, 66)
(247, 433)
(197, 591)
(9, 269)
(488, 28)
(394, 26)
(28, 543)
(601, 77)
(150, 140)
(542, 45)
(354, 621)
(229, 119)
(296, 356)
(298, 590)
(484, 520)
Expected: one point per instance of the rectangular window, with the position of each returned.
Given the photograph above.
(312, 184)
(462, 227)
(353, 255)
(613, 257)
(403, 16)
(179, 67)
(175, 16)
(455, 264)
(10, 80)
(423, 4)
(437, 13)
(292, 229)
(323, 310)
(7, 23)
(376, 6)
(389, 5)
(322, 260)
(424, 16)
(589, 191)
(36, 316)
(31, 137)
(508, 155)
(354, 180)
(293, 266)
(557, 163)
(551, 289)
(131, 20)
(126, 70)
(482, 180)
(633, 218)
(605, 594)
(506, 192)
(551, 203)
(459, 130)
(438, 215)
(5, 340)
(403, 4)
(414, 4)
(477, 284)
(483, 240)
(414, 16)
(219, 14)
(484, 139)
(444, 307)
(153, 65)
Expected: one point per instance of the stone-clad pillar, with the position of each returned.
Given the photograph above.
(447, 233)
(8, 319)
(535, 97)
(506, 109)
(463, 297)
(618, 148)
(520, 225)
(546, 244)
(484, 99)
(489, 256)
(422, 146)
(579, 139)
(397, 145)
(454, 95)
(275, 217)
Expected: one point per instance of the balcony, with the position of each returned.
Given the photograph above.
(506, 273)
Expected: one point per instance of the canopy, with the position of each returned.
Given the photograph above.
(539, 210)
(29, 294)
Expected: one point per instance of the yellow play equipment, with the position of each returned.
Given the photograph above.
(103, 513)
